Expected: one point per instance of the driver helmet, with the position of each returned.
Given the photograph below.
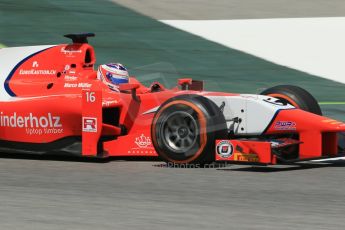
(113, 74)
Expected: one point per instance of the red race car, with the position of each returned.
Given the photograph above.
(53, 102)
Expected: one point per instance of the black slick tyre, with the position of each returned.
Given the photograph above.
(185, 128)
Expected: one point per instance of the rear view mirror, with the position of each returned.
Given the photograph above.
(132, 87)
(190, 84)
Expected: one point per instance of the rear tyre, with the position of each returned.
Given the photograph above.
(185, 128)
(296, 96)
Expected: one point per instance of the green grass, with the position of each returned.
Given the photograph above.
(2, 45)
(332, 103)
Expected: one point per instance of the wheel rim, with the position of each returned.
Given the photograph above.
(179, 131)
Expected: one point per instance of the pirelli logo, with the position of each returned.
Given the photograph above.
(246, 157)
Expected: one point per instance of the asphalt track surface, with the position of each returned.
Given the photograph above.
(49, 194)
(70, 193)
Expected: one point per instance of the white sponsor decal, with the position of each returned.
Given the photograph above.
(69, 52)
(90, 124)
(143, 141)
(285, 125)
(153, 110)
(37, 72)
(34, 125)
(84, 85)
(34, 64)
(70, 78)
(71, 85)
(109, 103)
(79, 85)
(67, 67)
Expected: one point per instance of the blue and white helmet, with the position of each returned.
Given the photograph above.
(113, 74)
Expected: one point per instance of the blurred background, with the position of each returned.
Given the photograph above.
(131, 32)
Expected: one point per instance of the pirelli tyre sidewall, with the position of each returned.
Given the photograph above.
(296, 96)
(190, 119)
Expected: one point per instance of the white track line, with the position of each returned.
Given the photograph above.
(312, 45)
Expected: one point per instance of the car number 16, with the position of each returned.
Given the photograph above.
(90, 97)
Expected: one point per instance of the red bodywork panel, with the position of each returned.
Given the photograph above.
(244, 151)
(59, 84)
(317, 139)
(317, 133)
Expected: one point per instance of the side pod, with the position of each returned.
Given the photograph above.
(91, 120)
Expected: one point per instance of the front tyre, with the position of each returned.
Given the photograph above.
(185, 128)
(296, 96)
